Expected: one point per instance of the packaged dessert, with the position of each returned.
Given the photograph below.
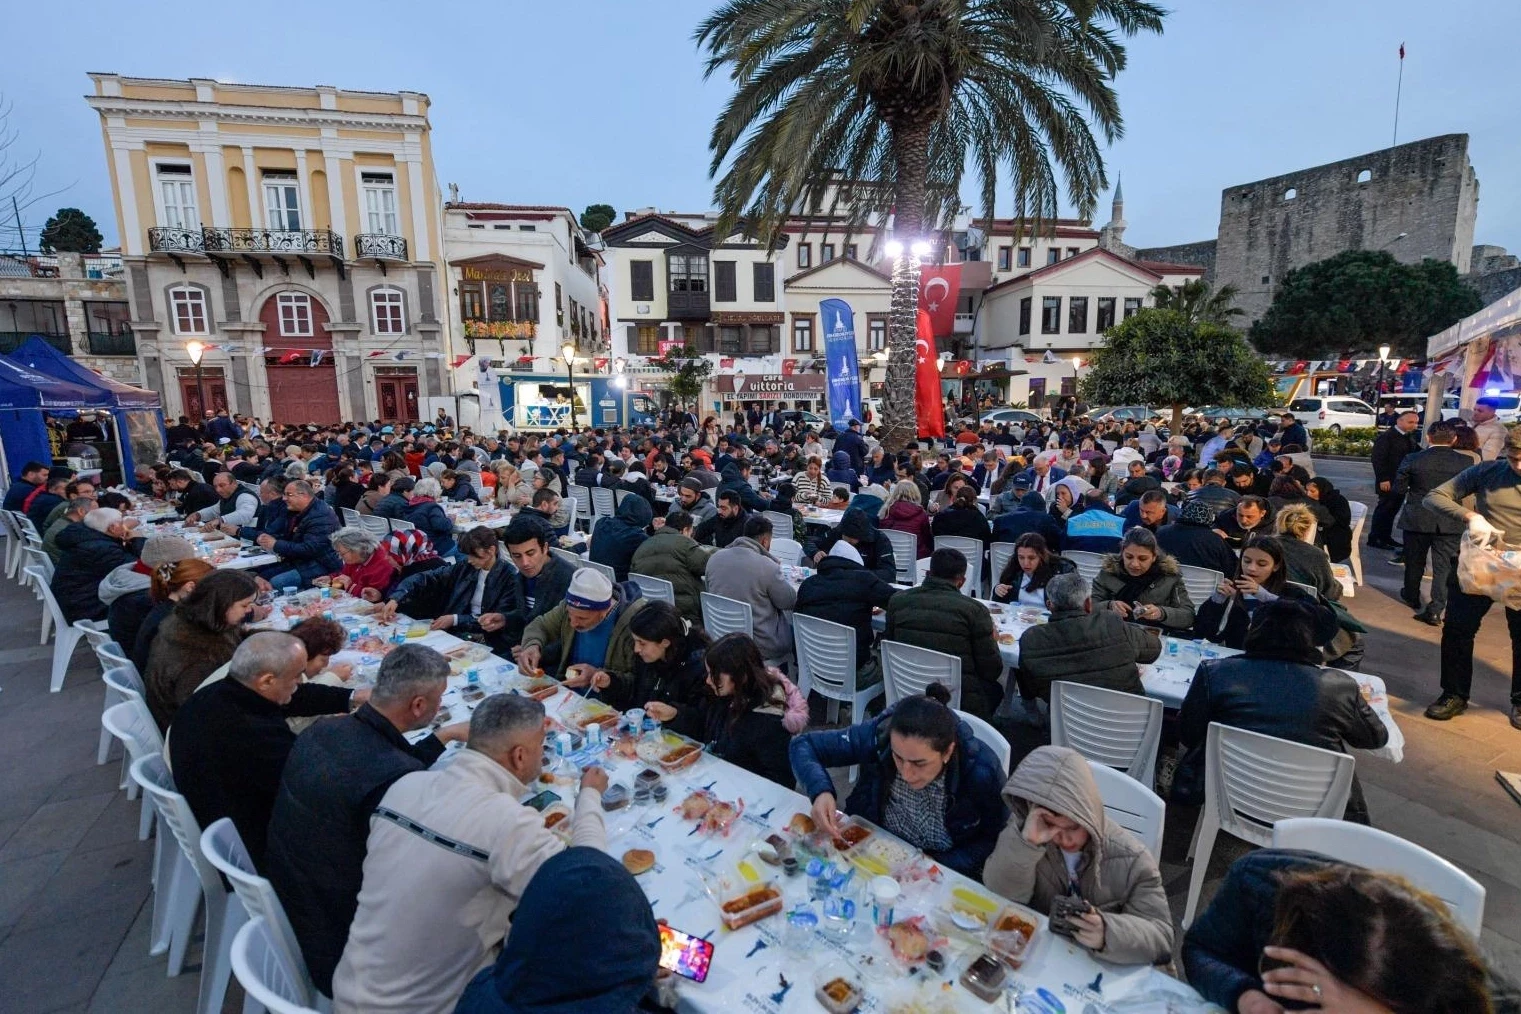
(911, 940)
(754, 903)
(721, 815)
(1011, 932)
(838, 988)
(984, 978)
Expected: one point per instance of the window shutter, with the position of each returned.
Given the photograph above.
(723, 282)
(642, 280)
(765, 282)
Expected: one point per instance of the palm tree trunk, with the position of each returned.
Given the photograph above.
(911, 154)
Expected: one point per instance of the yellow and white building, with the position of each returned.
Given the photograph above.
(291, 235)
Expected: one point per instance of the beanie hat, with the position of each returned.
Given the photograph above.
(1196, 512)
(856, 525)
(162, 549)
(692, 483)
(589, 590)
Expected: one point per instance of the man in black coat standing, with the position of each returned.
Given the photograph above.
(854, 445)
(1388, 451)
(1426, 531)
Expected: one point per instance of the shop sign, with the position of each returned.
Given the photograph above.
(769, 386)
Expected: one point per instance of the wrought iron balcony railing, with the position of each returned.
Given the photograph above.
(113, 344)
(273, 241)
(163, 239)
(10, 341)
(380, 246)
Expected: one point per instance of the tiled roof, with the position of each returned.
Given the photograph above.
(1169, 268)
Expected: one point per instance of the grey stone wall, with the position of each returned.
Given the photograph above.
(1200, 254)
(1492, 285)
(75, 289)
(1417, 200)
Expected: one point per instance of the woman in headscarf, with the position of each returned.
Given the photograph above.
(1067, 496)
(1337, 536)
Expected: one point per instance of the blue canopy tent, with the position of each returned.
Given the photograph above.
(137, 412)
(25, 394)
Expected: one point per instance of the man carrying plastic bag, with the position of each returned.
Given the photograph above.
(1486, 573)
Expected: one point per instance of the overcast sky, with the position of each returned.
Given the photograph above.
(602, 101)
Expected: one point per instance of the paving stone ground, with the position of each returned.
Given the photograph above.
(74, 880)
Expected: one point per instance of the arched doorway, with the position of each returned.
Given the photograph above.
(299, 367)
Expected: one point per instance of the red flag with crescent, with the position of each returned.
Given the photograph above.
(927, 403)
(939, 289)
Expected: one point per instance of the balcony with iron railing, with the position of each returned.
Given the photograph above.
(380, 246)
(221, 240)
(501, 330)
(10, 341)
(106, 344)
(172, 240)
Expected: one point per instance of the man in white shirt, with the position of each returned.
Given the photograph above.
(1490, 431)
(450, 851)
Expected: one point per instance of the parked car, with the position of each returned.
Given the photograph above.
(1122, 413)
(1255, 416)
(1012, 416)
(1333, 413)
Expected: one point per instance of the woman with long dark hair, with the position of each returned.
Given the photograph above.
(1143, 584)
(924, 776)
(1028, 571)
(197, 638)
(669, 675)
(345, 487)
(1260, 578)
(744, 723)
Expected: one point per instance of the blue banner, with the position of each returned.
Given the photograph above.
(840, 362)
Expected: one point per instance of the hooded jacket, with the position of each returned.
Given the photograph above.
(962, 522)
(1116, 875)
(845, 592)
(746, 572)
(615, 539)
(676, 558)
(88, 559)
(840, 471)
(552, 633)
(974, 810)
(1166, 590)
(546, 966)
(876, 549)
(907, 516)
(734, 482)
(428, 517)
(392, 505)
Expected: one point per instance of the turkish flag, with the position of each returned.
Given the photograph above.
(939, 289)
(289, 357)
(927, 404)
(788, 365)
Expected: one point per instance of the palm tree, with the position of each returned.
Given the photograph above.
(902, 96)
(1200, 302)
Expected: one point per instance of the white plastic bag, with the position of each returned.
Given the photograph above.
(1491, 569)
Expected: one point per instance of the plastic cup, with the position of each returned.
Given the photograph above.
(885, 892)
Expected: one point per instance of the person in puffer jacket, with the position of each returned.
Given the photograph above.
(615, 539)
(1060, 842)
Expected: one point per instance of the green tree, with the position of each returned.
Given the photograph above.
(897, 99)
(1199, 301)
(1160, 357)
(1361, 299)
(688, 370)
(597, 217)
(70, 231)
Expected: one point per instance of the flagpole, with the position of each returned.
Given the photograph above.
(1397, 89)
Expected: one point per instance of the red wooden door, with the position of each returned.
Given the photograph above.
(396, 397)
(300, 394)
(190, 395)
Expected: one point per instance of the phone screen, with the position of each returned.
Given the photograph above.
(542, 800)
(687, 956)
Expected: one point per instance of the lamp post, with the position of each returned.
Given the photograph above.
(568, 353)
(196, 350)
(1383, 358)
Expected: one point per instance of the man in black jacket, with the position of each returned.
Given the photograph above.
(725, 526)
(539, 583)
(194, 493)
(1031, 515)
(333, 780)
(33, 474)
(856, 528)
(1426, 531)
(1192, 541)
(458, 598)
(231, 738)
(1389, 449)
(91, 550)
(615, 539)
(844, 591)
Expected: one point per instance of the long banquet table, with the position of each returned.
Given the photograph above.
(772, 964)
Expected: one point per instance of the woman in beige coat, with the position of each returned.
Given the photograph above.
(512, 490)
(1059, 841)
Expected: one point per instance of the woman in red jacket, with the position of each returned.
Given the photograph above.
(368, 570)
(903, 512)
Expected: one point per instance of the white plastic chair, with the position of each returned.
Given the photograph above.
(398, 525)
(1113, 728)
(1131, 805)
(122, 684)
(1359, 516)
(905, 553)
(1252, 781)
(722, 616)
(601, 568)
(655, 588)
(375, 525)
(781, 525)
(972, 550)
(265, 975)
(583, 512)
(990, 738)
(1088, 564)
(574, 559)
(132, 723)
(1200, 582)
(351, 517)
(14, 540)
(224, 912)
(789, 552)
(826, 665)
(66, 636)
(603, 503)
(1379, 850)
(175, 888)
(999, 555)
(907, 670)
(223, 848)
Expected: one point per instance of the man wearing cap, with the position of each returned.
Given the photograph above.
(596, 648)
(853, 444)
(1193, 542)
(693, 500)
(234, 506)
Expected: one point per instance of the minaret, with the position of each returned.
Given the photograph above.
(1113, 237)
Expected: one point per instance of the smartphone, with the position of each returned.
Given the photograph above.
(684, 954)
(542, 800)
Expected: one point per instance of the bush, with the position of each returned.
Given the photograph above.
(1354, 441)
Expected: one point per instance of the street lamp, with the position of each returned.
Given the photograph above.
(1383, 358)
(195, 350)
(568, 353)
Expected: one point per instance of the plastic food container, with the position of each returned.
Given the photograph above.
(750, 905)
(1011, 932)
(838, 989)
(557, 820)
(984, 978)
(682, 755)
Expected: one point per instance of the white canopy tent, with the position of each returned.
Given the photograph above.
(1487, 341)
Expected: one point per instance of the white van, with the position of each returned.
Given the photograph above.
(1333, 413)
